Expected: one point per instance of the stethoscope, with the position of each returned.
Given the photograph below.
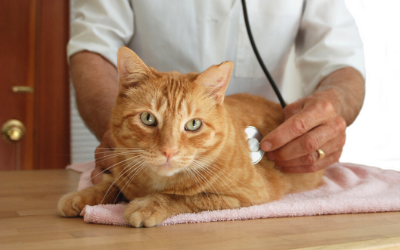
(253, 138)
(253, 135)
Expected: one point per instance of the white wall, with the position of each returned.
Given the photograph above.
(373, 138)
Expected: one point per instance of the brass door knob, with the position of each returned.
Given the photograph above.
(13, 130)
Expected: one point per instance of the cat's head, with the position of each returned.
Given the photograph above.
(169, 122)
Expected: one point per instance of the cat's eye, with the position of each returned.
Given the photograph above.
(148, 119)
(193, 125)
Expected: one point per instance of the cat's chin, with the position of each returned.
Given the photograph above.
(166, 169)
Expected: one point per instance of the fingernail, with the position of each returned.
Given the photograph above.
(266, 146)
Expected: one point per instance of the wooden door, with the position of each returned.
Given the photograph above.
(33, 38)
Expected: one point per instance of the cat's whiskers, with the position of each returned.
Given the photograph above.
(117, 178)
(117, 151)
(135, 169)
(114, 181)
(191, 175)
(111, 155)
(141, 167)
(224, 171)
(201, 185)
(205, 192)
(145, 165)
(221, 169)
(210, 169)
(213, 169)
(115, 154)
(197, 170)
(113, 166)
(128, 168)
(110, 149)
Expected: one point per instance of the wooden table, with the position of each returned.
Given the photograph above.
(28, 220)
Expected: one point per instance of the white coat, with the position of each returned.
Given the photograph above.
(192, 35)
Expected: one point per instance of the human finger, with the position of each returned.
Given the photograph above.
(290, 129)
(327, 161)
(336, 144)
(308, 143)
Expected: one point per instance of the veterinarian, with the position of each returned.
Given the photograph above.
(192, 35)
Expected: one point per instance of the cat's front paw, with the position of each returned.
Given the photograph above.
(71, 205)
(147, 211)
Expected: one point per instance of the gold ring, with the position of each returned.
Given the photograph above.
(321, 154)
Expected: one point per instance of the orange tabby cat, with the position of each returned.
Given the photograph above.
(182, 147)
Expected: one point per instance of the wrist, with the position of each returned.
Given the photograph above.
(334, 95)
(345, 90)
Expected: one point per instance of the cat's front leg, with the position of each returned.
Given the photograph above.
(71, 205)
(153, 209)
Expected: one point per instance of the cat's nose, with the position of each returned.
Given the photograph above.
(169, 152)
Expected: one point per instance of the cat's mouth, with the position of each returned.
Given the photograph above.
(166, 169)
(166, 165)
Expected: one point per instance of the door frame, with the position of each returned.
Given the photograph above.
(51, 135)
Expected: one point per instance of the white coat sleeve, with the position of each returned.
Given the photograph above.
(327, 40)
(100, 26)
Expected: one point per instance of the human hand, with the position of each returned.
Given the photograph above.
(104, 158)
(310, 123)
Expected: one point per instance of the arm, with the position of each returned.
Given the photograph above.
(329, 56)
(101, 27)
(95, 81)
(345, 89)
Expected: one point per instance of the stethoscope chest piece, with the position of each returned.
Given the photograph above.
(253, 138)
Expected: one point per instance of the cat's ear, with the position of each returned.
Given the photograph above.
(131, 68)
(216, 79)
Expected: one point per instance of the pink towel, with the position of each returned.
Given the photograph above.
(347, 188)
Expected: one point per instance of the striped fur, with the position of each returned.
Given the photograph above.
(210, 169)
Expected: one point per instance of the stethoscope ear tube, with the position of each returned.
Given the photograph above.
(254, 137)
(253, 45)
